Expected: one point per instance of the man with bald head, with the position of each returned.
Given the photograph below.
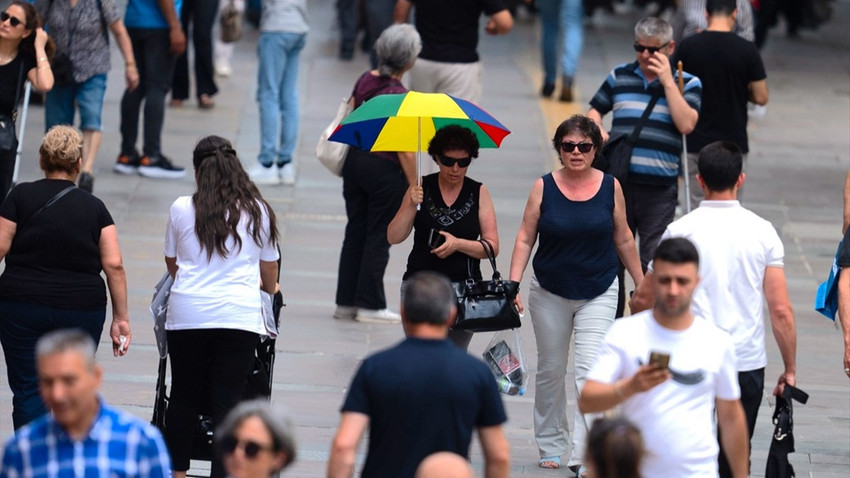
(444, 464)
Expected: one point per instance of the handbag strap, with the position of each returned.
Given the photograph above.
(645, 116)
(491, 255)
(49, 203)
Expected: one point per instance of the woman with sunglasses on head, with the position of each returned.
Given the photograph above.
(578, 214)
(221, 248)
(24, 53)
(255, 440)
(454, 211)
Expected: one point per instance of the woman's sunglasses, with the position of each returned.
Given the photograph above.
(450, 162)
(250, 448)
(12, 20)
(569, 146)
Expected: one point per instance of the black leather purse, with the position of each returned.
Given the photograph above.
(486, 305)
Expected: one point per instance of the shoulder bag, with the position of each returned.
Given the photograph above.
(330, 153)
(616, 156)
(8, 135)
(486, 305)
(230, 20)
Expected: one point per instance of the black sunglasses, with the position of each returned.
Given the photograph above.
(250, 448)
(12, 20)
(569, 146)
(652, 49)
(450, 162)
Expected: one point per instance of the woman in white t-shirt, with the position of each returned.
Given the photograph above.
(221, 248)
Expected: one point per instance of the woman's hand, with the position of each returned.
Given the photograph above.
(518, 304)
(416, 194)
(40, 39)
(120, 328)
(449, 246)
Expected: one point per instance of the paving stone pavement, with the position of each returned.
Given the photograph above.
(800, 154)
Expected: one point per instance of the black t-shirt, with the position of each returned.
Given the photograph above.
(460, 220)
(421, 396)
(54, 259)
(449, 28)
(726, 64)
(9, 80)
(844, 253)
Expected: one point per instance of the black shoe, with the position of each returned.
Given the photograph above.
(547, 90)
(566, 94)
(86, 182)
(127, 163)
(160, 167)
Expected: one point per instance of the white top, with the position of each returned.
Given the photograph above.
(735, 248)
(217, 292)
(676, 418)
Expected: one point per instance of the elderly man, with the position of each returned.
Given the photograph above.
(82, 436)
(742, 265)
(669, 370)
(422, 396)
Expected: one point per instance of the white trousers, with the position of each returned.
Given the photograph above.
(461, 80)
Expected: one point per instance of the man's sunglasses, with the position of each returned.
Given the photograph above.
(12, 20)
(569, 146)
(250, 448)
(652, 49)
(450, 162)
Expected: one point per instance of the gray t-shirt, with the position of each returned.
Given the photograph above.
(288, 16)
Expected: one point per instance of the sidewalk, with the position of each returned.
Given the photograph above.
(800, 153)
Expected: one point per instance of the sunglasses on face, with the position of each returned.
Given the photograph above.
(569, 146)
(250, 448)
(652, 49)
(450, 162)
(12, 20)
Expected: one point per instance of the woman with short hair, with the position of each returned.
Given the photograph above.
(256, 440)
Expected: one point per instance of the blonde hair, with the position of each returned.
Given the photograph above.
(60, 150)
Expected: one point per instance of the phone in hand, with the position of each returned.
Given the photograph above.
(660, 359)
(435, 239)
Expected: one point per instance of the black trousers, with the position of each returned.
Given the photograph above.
(752, 391)
(373, 188)
(206, 364)
(201, 14)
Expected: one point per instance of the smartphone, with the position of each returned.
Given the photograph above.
(435, 239)
(661, 359)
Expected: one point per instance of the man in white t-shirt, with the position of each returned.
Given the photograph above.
(741, 266)
(672, 398)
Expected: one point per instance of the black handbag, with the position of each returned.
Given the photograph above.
(616, 156)
(486, 305)
(8, 135)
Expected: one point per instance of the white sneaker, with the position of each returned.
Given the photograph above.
(345, 312)
(382, 316)
(223, 70)
(264, 174)
(287, 174)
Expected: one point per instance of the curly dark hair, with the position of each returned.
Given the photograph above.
(224, 193)
(453, 137)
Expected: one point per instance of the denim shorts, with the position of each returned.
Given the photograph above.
(88, 95)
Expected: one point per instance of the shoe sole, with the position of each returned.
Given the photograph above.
(157, 173)
(375, 320)
(125, 169)
(266, 181)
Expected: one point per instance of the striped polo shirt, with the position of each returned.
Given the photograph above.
(656, 154)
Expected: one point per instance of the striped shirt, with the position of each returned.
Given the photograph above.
(656, 153)
(118, 444)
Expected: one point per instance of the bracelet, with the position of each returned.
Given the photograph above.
(43, 58)
(618, 391)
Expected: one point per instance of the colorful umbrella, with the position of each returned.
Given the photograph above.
(408, 121)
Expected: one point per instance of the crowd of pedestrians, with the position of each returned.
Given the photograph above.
(686, 370)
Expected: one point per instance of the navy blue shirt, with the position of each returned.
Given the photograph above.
(421, 396)
(576, 258)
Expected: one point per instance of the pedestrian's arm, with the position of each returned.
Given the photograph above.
(171, 266)
(497, 452)
(624, 241)
(500, 23)
(596, 116)
(175, 31)
(7, 233)
(733, 436)
(526, 237)
(344, 446)
(846, 203)
(401, 12)
(758, 92)
(131, 70)
(843, 313)
(684, 116)
(644, 296)
(599, 397)
(402, 223)
(408, 165)
(268, 276)
(782, 322)
(41, 76)
(116, 282)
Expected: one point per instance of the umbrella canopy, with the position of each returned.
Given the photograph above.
(408, 121)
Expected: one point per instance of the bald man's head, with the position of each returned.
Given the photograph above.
(444, 465)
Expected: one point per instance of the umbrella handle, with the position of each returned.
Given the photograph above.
(681, 77)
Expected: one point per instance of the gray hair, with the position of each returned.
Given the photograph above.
(653, 28)
(67, 340)
(277, 422)
(428, 298)
(397, 48)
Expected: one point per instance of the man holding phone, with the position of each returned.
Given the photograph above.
(668, 371)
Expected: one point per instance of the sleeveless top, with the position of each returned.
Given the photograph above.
(576, 258)
(460, 220)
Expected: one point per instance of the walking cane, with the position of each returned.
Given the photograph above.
(685, 147)
(21, 131)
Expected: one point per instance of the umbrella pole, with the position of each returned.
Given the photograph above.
(418, 154)
(685, 165)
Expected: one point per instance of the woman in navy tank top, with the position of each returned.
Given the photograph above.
(577, 213)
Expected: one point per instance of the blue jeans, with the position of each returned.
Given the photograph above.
(21, 325)
(88, 96)
(277, 79)
(564, 17)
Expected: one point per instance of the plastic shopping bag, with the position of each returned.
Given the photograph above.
(506, 359)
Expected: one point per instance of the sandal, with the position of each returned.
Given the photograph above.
(206, 102)
(579, 470)
(550, 462)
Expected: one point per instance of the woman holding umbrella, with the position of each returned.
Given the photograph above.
(455, 212)
(372, 184)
